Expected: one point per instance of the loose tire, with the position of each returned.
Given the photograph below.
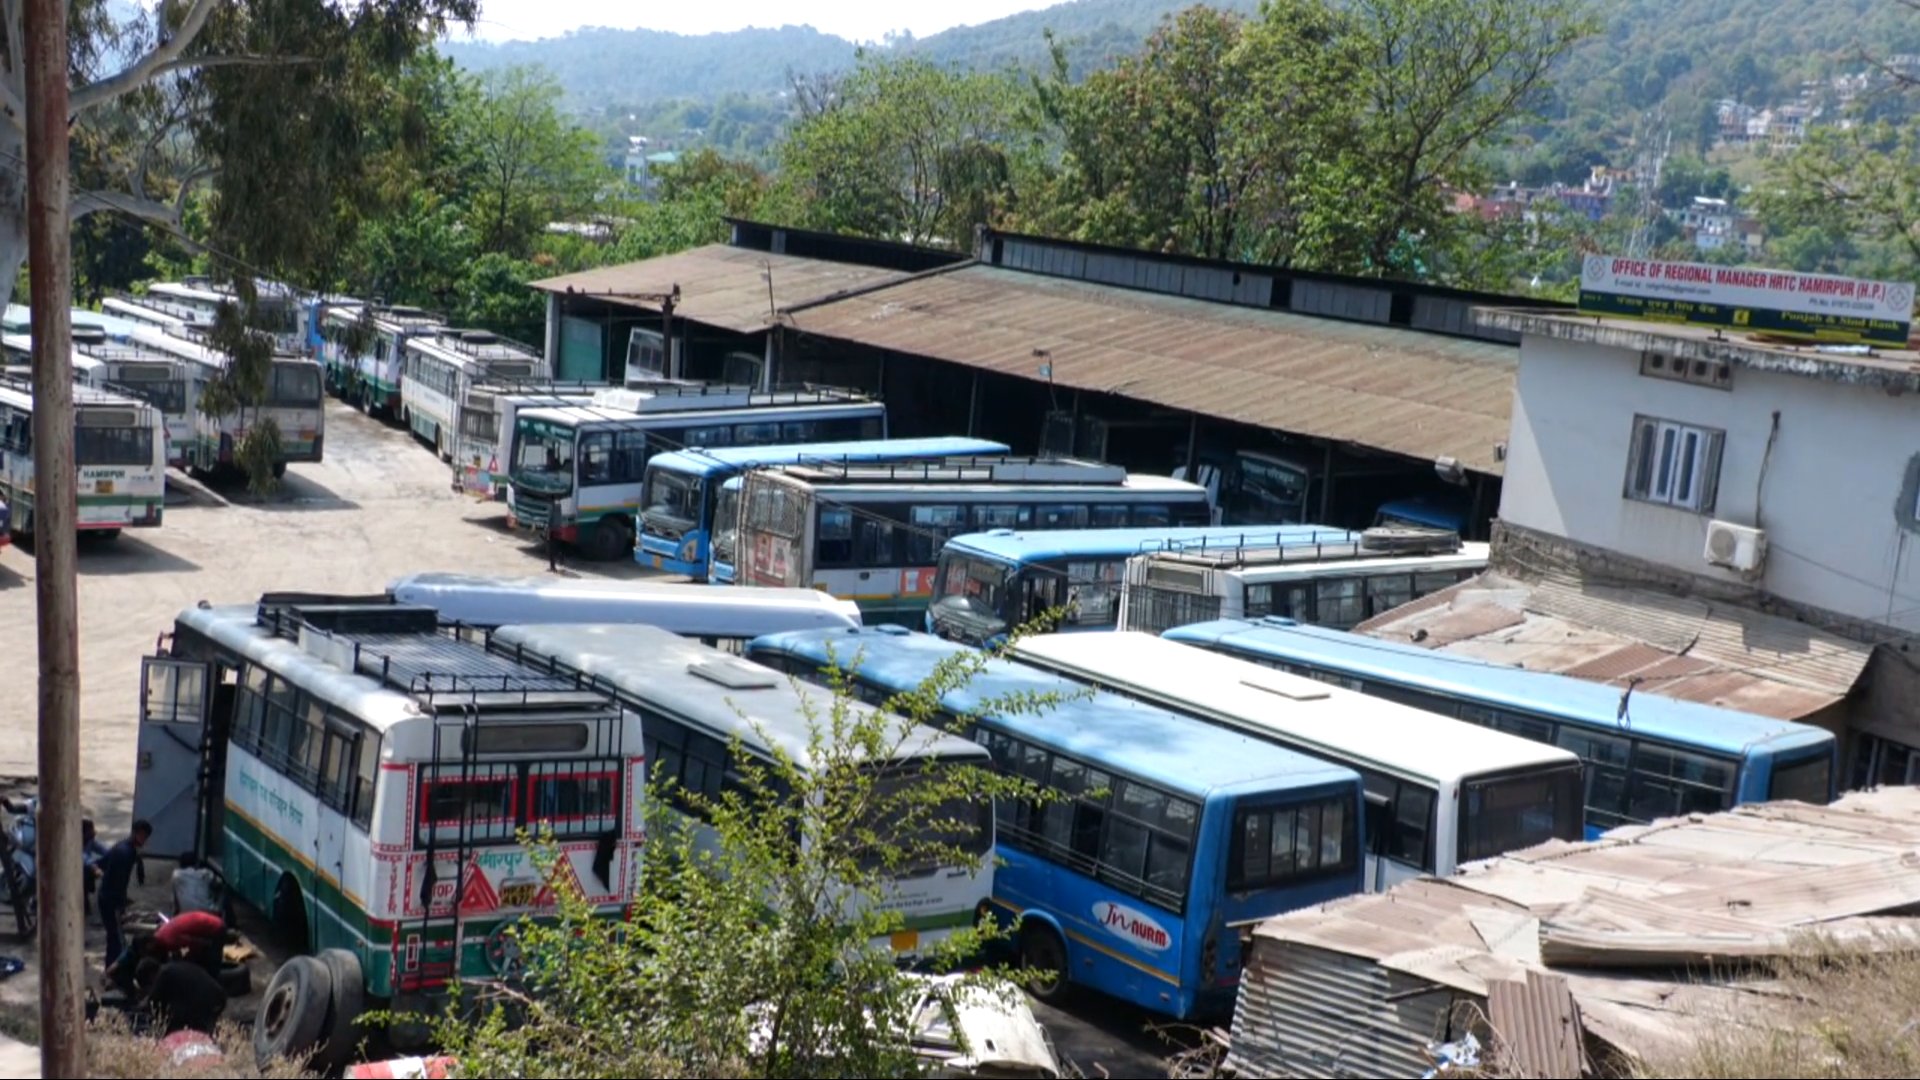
(236, 980)
(1045, 955)
(293, 1011)
(343, 1033)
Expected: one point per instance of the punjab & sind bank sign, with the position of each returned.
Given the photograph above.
(1812, 307)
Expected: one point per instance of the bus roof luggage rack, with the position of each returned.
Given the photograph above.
(1271, 551)
(480, 344)
(184, 312)
(968, 470)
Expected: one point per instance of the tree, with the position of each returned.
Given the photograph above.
(531, 165)
(903, 150)
(791, 875)
(1840, 184)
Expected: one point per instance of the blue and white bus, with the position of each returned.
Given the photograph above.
(873, 532)
(726, 532)
(1170, 833)
(991, 582)
(677, 496)
(1647, 757)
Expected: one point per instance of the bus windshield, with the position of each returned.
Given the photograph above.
(671, 501)
(113, 445)
(1508, 813)
(167, 395)
(974, 590)
(295, 385)
(1270, 491)
(543, 455)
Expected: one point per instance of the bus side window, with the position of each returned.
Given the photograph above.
(1059, 516)
(366, 772)
(596, 457)
(336, 783)
(629, 456)
(835, 544)
(1109, 515)
(874, 542)
(1148, 515)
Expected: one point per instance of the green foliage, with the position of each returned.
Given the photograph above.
(530, 166)
(757, 946)
(241, 388)
(905, 150)
(1849, 201)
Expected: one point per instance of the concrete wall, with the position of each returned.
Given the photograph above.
(1838, 495)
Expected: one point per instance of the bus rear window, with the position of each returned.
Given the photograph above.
(1273, 845)
(1808, 781)
(1509, 813)
(484, 803)
(574, 797)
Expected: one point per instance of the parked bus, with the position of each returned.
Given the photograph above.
(119, 453)
(18, 319)
(276, 308)
(360, 777)
(1423, 512)
(1647, 756)
(100, 361)
(677, 496)
(698, 706)
(725, 617)
(486, 426)
(989, 583)
(87, 371)
(295, 402)
(1170, 833)
(157, 312)
(1439, 792)
(367, 372)
(577, 470)
(872, 533)
(1339, 585)
(443, 364)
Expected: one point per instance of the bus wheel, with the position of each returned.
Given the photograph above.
(1044, 955)
(290, 914)
(611, 540)
(293, 1011)
(343, 1032)
(279, 469)
(108, 534)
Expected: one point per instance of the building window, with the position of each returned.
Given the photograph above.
(1674, 464)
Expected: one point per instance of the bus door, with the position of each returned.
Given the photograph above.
(170, 778)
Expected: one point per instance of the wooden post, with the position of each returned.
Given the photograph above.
(50, 269)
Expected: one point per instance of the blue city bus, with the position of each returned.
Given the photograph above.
(1646, 756)
(678, 494)
(990, 582)
(1169, 835)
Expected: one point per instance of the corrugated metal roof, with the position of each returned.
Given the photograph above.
(1733, 884)
(1678, 647)
(1536, 1027)
(721, 285)
(1419, 394)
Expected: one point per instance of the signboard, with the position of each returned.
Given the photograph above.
(1816, 307)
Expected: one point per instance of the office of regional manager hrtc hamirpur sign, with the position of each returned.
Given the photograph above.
(1814, 307)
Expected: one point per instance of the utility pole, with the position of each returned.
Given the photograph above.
(50, 269)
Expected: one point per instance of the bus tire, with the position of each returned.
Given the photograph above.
(343, 1032)
(611, 540)
(1043, 953)
(108, 534)
(293, 1011)
(289, 914)
(236, 980)
(279, 469)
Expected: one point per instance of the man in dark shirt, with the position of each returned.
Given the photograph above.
(117, 870)
(181, 995)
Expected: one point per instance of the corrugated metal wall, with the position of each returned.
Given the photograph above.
(1220, 284)
(1309, 1012)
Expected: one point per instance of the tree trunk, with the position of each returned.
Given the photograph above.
(13, 208)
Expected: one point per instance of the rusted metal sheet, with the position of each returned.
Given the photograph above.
(1312, 1013)
(722, 285)
(1419, 394)
(1675, 646)
(1536, 1027)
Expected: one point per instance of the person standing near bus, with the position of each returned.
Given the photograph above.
(117, 870)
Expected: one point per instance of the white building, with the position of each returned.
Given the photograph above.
(1781, 479)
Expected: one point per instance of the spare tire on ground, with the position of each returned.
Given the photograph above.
(293, 1011)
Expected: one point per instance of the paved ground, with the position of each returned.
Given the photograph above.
(379, 507)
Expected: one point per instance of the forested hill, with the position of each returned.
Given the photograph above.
(598, 67)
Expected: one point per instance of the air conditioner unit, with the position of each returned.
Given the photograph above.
(1736, 547)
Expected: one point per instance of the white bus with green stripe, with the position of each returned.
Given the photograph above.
(700, 705)
(164, 382)
(364, 351)
(295, 401)
(361, 776)
(443, 364)
(577, 471)
(120, 459)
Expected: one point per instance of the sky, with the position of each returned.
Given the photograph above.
(856, 20)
